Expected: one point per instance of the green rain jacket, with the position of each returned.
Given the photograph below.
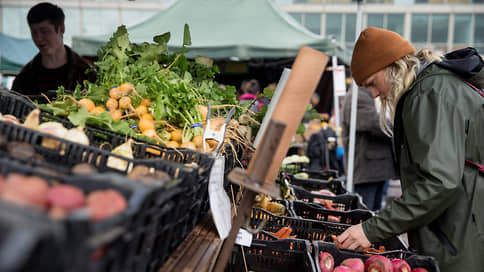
(439, 124)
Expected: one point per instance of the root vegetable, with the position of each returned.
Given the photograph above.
(140, 110)
(32, 120)
(57, 213)
(115, 93)
(124, 150)
(77, 135)
(147, 116)
(145, 124)
(153, 135)
(87, 104)
(111, 104)
(103, 204)
(54, 129)
(11, 119)
(126, 88)
(400, 265)
(188, 145)
(203, 111)
(419, 269)
(145, 102)
(176, 135)
(116, 114)
(172, 144)
(66, 197)
(343, 269)
(354, 263)
(198, 141)
(378, 263)
(125, 102)
(97, 110)
(24, 190)
(84, 168)
(326, 262)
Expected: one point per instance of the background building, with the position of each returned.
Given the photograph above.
(441, 24)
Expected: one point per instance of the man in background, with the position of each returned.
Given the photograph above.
(56, 64)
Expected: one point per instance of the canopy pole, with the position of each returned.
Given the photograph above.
(354, 104)
(336, 108)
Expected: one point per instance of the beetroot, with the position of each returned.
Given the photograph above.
(400, 265)
(66, 197)
(26, 190)
(354, 263)
(326, 262)
(420, 269)
(378, 263)
(102, 204)
(343, 269)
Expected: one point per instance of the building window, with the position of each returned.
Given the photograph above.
(311, 21)
(395, 23)
(479, 28)
(350, 28)
(440, 28)
(419, 28)
(296, 16)
(16, 20)
(334, 25)
(462, 28)
(375, 20)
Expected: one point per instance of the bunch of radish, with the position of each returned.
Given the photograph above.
(59, 200)
(375, 263)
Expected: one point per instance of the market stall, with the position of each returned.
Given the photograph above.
(119, 174)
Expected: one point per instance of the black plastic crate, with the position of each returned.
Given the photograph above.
(308, 229)
(323, 174)
(293, 168)
(316, 211)
(302, 228)
(346, 201)
(19, 106)
(129, 236)
(340, 254)
(267, 256)
(27, 239)
(312, 184)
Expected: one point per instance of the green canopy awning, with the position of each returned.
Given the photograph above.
(222, 29)
(15, 53)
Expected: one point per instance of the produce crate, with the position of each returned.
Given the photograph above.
(278, 256)
(316, 211)
(308, 229)
(153, 214)
(27, 239)
(323, 174)
(340, 254)
(293, 168)
(347, 201)
(19, 106)
(311, 184)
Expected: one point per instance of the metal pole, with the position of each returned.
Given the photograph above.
(354, 103)
(334, 60)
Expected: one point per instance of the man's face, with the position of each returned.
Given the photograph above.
(46, 37)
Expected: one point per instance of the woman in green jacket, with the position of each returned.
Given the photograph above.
(438, 127)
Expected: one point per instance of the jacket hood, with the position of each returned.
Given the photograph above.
(464, 62)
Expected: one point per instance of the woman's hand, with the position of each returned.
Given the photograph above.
(354, 238)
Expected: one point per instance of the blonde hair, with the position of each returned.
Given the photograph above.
(400, 75)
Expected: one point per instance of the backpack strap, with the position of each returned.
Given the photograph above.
(481, 92)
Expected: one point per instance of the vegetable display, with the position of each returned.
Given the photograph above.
(144, 91)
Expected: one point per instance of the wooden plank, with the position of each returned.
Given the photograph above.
(198, 251)
(305, 74)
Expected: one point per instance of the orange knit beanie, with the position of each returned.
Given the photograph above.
(375, 49)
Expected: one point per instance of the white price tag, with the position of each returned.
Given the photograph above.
(244, 238)
(219, 201)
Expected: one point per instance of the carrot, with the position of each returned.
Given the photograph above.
(283, 233)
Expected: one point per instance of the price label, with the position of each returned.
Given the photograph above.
(244, 238)
(219, 201)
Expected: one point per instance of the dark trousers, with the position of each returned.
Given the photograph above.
(372, 194)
